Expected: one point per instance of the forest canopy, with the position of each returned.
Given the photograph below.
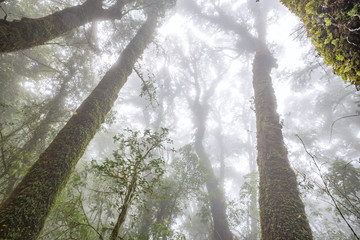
(187, 119)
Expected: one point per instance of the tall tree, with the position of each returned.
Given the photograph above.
(29, 32)
(23, 214)
(334, 28)
(213, 185)
(282, 214)
(200, 109)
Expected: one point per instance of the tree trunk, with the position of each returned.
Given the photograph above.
(216, 194)
(36, 143)
(119, 222)
(217, 198)
(334, 28)
(23, 214)
(282, 214)
(124, 209)
(29, 32)
(253, 206)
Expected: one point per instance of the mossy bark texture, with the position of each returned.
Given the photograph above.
(28, 32)
(36, 144)
(282, 214)
(334, 28)
(23, 214)
(213, 186)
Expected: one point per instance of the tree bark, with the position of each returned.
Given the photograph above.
(282, 214)
(253, 206)
(23, 214)
(217, 199)
(124, 209)
(36, 144)
(213, 186)
(29, 32)
(334, 28)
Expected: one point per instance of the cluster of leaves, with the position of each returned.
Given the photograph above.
(334, 27)
(95, 196)
(148, 86)
(136, 159)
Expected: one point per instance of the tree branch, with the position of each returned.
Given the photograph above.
(327, 190)
(332, 125)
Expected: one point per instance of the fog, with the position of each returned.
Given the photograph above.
(193, 128)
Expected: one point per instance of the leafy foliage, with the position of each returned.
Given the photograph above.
(137, 158)
(334, 27)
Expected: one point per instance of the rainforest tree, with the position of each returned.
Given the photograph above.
(282, 214)
(194, 80)
(23, 214)
(200, 110)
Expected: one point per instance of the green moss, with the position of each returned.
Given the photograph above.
(23, 214)
(27, 32)
(332, 25)
(282, 214)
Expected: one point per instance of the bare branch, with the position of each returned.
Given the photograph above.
(332, 125)
(327, 190)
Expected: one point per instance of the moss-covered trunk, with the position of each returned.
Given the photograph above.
(282, 214)
(253, 206)
(36, 144)
(29, 32)
(23, 214)
(334, 28)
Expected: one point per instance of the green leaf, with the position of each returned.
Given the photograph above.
(335, 42)
(327, 21)
(347, 69)
(339, 57)
(354, 10)
(310, 7)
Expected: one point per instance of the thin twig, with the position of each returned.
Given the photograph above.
(332, 125)
(40, 63)
(327, 190)
(356, 29)
(4, 12)
(87, 220)
(146, 87)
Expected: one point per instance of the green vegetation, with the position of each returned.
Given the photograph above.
(334, 28)
(79, 160)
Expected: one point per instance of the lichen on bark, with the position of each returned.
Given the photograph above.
(282, 214)
(30, 32)
(23, 214)
(334, 28)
